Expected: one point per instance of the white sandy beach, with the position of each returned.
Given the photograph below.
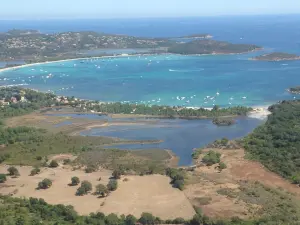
(66, 60)
(259, 112)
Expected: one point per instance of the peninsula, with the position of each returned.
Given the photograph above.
(33, 46)
(277, 56)
(206, 46)
(294, 90)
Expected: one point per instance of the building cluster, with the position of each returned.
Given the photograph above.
(54, 44)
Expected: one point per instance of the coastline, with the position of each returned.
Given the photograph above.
(259, 112)
(118, 56)
(64, 60)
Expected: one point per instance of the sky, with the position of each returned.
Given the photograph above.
(39, 9)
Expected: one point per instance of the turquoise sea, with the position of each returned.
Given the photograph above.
(224, 80)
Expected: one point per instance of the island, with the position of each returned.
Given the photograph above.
(294, 90)
(33, 46)
(223, 121)
(277, 56)
(200, 47)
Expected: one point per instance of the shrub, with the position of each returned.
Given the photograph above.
(4, 157)
(211, 158)
(90, 169)
(39, 158)
(117, 174)
(222, 166)
(2, 178)
(53, 164)
(75, 181)
(101, 190)
(196, 153)
(45, 184)
(296, 179)
(35, 171)
(112, 185)
(13, 171)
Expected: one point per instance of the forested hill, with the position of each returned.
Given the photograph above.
(205, 46)
(276, 144)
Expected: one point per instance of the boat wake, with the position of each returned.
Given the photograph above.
(13, 85)
(186, 71)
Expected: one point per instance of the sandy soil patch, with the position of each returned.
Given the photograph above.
(139, 194)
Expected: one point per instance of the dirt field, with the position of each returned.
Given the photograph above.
(139, 194)
(206, 182)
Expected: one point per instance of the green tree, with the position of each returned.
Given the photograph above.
(85, 187)
(45, 184)
(13, 171)
(75, 181)
(147, 219)
(179, 184)
(81, 191)
(53, 164)
(130, 220)
(2, 178)
(112, 185)
(112, 219)
(101, 190)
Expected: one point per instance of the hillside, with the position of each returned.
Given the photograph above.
(211, 47)
(276, 144)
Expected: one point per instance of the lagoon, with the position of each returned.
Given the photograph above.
(179, 135)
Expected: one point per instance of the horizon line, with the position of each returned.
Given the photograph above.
(149, 17)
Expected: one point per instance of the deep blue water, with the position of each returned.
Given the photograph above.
(164, 80)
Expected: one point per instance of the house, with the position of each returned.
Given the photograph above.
(13, 100)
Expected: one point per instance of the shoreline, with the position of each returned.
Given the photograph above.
(118, 56)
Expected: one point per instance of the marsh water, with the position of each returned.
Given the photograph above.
(179, 135)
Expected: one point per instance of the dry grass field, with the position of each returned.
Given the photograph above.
(139, 194)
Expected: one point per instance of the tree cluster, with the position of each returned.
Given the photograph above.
(177, 177)
(276, 143)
